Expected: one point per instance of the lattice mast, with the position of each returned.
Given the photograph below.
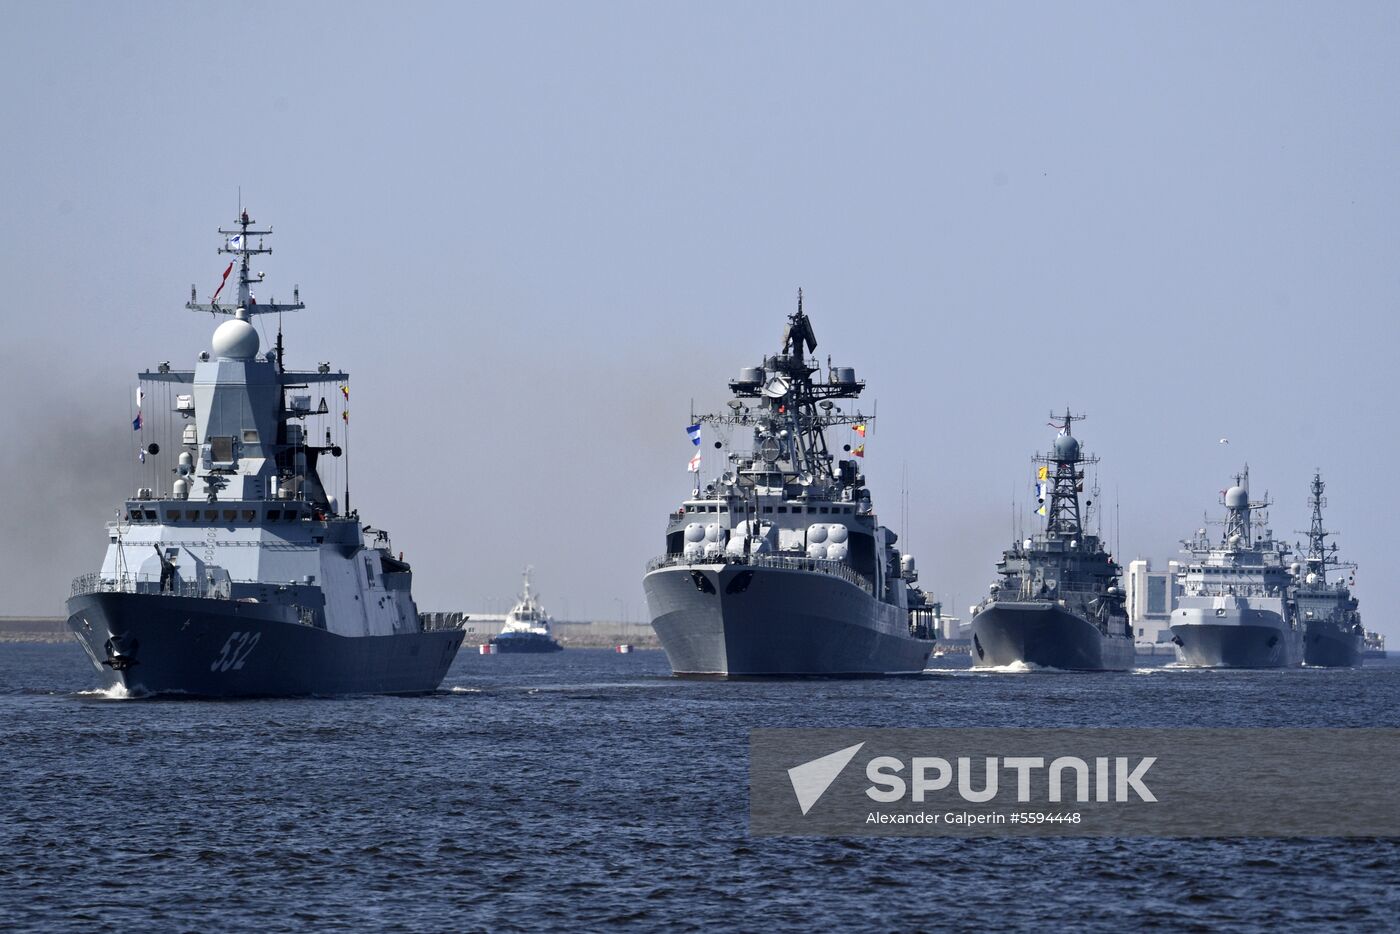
(1065, 476)
(1320, 555)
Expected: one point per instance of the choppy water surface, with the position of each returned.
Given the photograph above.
(586, 789)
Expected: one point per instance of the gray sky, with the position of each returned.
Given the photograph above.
(534, 232)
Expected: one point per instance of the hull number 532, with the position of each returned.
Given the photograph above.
(236, 651)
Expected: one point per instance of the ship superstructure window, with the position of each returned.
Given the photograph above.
(211, 515)
(273, 515)
(767, 508)
(250, 436)
(782, 509)
(191, 514)
(230, 515)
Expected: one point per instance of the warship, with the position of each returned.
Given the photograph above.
(1236, 609)
(1333, 636)
(780, 567)
(527, 626)
(1058, 603)
(244, 576)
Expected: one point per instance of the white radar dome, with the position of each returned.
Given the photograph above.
(1236, 497)
(236, 340)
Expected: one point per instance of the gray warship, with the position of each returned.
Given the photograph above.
(1236, 608)
(244, 576)
(1058, 603)
(1333, 636)
(780, 568)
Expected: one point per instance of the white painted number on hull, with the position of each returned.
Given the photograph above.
(236, 651)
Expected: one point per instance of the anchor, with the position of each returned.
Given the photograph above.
(119, 660)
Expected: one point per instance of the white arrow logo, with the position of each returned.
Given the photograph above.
(810, 780)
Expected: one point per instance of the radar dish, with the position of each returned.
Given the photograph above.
(777, 387)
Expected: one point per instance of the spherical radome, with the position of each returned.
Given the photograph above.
(236, 340)
(1236, 497)
(1066, 448)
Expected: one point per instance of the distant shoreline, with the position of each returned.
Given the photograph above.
(34, 629)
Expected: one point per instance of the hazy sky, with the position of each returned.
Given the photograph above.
(535, 232)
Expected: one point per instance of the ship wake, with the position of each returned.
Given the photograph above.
(117, 692)
(1015, 668)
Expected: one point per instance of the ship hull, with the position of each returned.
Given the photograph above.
(1327, 645)
(1254, 639)
(518, 645)
(1047, 636)
(747, 621)
(161, 644)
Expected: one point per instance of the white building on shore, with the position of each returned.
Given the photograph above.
(1151, 598)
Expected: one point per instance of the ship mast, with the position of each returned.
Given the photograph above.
(1320, 555)
(1064, 520)
(1317, 535)
(238, 243)
(1239, 513)
(792, 410)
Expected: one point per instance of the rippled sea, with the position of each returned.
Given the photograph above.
(588, 789)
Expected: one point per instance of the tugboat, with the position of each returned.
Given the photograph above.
(1236, 608)
(780, 567)
(1058, 603)
(527, 626)
(244, 576)
(1333, 636)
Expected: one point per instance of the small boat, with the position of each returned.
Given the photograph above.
(527, 626)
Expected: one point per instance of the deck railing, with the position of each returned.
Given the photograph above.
(144, 583)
